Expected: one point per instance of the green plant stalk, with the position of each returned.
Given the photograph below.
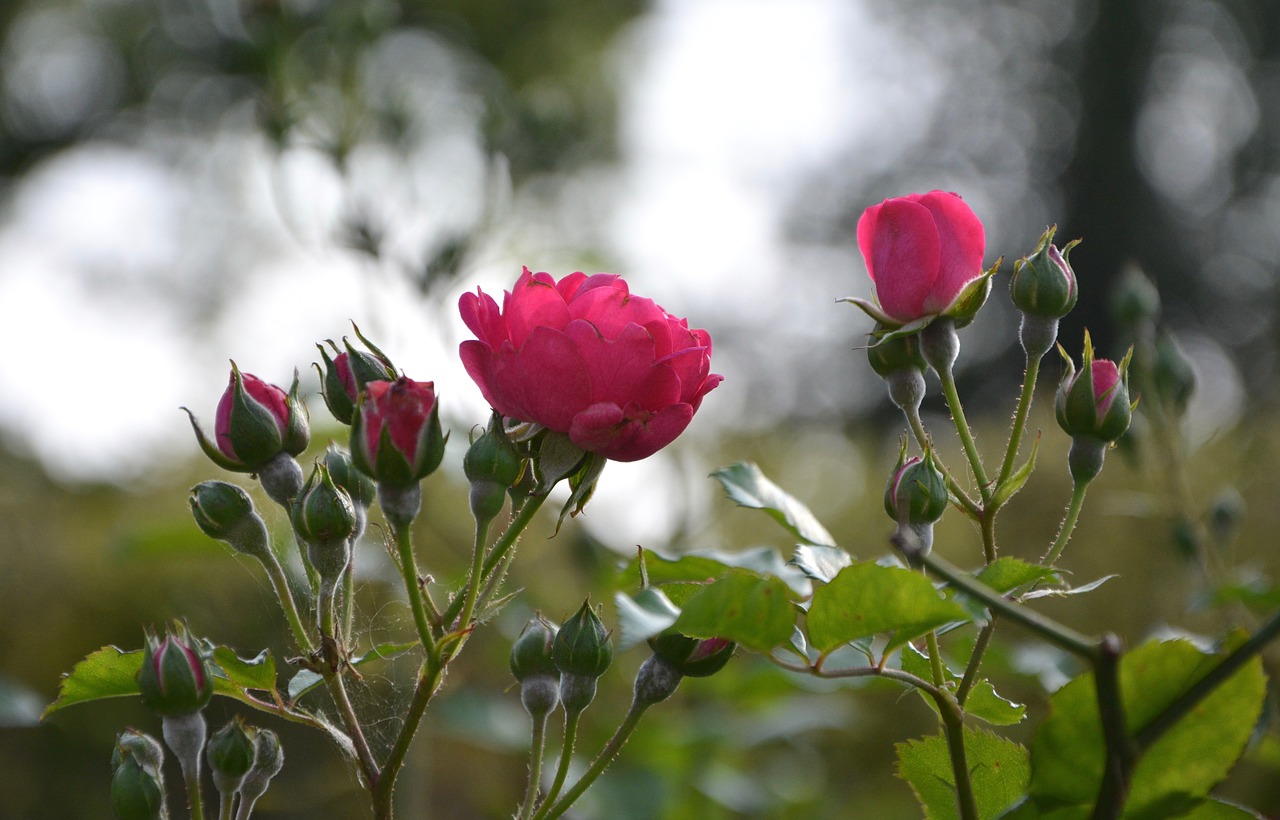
(194, 800)
(400, 532)
(602, 761)
(980, 645)
(474, 582)
(1121, 751)
(429, 679)
(226, 806)
(1215, 677)
(566, 755)
(348, 596)
(953, 728)
(1055, 633)
(935, 659)
(962, 429)
(1029, 378)
(280, 583)
(922, 440)
(500, 548)
(950, 711)
(537, 746)
(1068, 524)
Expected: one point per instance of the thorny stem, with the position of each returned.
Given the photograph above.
(602, 761)
(975, 661)
(400, 532)
(498, 551)
(1020, 418)
(566, 755)
(1121, 751)
(538, 745)
(474, 582)
(962, 429)
(338, 690)
(922, 439)
(1068, 524)
(280, 583)
(429, 679)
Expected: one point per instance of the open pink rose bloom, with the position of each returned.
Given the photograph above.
(921, 251)
(583, 356)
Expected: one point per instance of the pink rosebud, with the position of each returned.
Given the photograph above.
(255, 422)
(922, 252)
(1096, 407)
(396, 436)
(583, 356)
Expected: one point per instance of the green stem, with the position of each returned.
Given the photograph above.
(975, 661)
(338, 690)
(400, 532)
(962, 429)
(953, 728)
(602, 761)
(428, 682)
(1029, 378)
(1055, 633)
(348, 596)
(474, 582)
(566, 755)
(194, 799)
(537, 746)
(504, 543)
(1068, 524)
(1121, 751)
(280, 583)
(226, 806)
(1188, 700)
(935, 660)
(922, 440)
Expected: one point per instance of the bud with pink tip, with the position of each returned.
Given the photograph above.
(255, 422)
(396, 437)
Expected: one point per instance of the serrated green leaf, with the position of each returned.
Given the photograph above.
(820, 563)
(869, 599)
(747, 486)
(1182, 766)
(1014, 483)
(257, 673)
(105, 673)
(982, 702)
(756, 612)
(643, 615)
(998, 771)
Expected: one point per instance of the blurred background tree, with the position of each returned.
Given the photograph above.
(183, 181)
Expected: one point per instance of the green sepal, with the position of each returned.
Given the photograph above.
(970, 300)
(254, 427)
(297, 436)
(211, 450)
(1014, 483)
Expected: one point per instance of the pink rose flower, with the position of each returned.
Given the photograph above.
(583, 356)
(396, 436)
(921, 250)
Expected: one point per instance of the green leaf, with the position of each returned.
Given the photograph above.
(820, 563)
(998, 771)
(1007, 574)
(106, 673)
(707, 565)
(982, 702)
(1218, 810)
(756, 612)
(641, 616)
(1182, 766)
(257, 673)
(868, 599)
(747, 486)
(1014, 483)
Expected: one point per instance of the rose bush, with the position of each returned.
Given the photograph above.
(583, 356)
(922, 251)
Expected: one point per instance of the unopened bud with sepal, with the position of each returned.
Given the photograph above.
(582, 652)
(226, 512)
(175, 677)
(137, 779)
(693, 657)
(230, 752)
(533, 665)
(325, 519)
(492, 464)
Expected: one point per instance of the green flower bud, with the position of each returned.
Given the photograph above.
(325, 519)
(899, 353)
(1174, 379)
(230, 752)
(175, 676)
(492, 465)
(917, 491)
(1094, 403)
(1135, 300)
(693, 657)
(362, 489)
(137, 780)
(268, 759)
(346, 374)
(532, 654)
(1043, 283)
(582, 646)
(226, 512)
(656, 680)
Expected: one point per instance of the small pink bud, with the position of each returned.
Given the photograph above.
(396, 436)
